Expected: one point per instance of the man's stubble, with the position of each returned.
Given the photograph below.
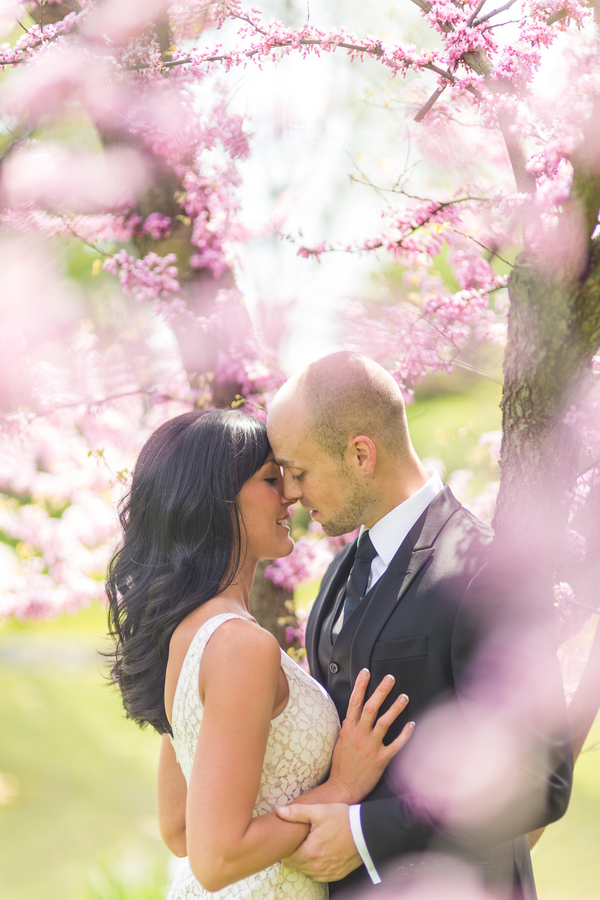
(351, 514)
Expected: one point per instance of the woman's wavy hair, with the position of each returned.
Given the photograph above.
(181, 544)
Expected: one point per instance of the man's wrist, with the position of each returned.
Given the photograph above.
(339, 792)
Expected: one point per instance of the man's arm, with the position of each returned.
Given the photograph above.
(509, 712)
(494, 762)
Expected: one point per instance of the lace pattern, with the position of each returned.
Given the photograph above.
(297, 758)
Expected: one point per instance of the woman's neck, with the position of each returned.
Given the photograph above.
(238, 592)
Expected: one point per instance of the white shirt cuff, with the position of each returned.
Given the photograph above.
(359, 840)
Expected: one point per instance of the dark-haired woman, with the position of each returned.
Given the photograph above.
(245, 730)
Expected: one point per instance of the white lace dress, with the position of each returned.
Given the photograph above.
(297, 758)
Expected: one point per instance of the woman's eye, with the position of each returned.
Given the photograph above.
(272, 480)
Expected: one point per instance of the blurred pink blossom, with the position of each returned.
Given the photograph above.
(62, 180)
(119, 22)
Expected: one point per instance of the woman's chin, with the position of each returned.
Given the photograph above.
(284, 548)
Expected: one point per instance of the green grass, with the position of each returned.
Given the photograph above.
(106, 884)
(566, 860)
(80, 775)
(79, 820)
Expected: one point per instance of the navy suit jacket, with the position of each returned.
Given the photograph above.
(448, 588)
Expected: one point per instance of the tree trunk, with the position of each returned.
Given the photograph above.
(554, 330)
(273, 607)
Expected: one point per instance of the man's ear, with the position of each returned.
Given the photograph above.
(362, 453)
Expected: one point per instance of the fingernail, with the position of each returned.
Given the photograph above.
(411, 725)
(364, 671)
(284, 809)
(390, 679)
(404, 698)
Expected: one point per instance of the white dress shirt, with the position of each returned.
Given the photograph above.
(386, 535)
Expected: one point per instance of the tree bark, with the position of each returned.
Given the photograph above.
(554, 330)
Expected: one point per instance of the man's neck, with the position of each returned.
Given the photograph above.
(399, 487)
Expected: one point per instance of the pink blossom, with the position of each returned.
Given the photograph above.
(144, 279)
(58, 179)
(289, 570)
(157, 226)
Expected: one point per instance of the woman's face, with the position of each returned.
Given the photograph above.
(266, 514)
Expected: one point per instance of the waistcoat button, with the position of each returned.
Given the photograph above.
(333, 668)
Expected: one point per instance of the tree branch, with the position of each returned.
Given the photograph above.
(476, 12)
(476, 22)
(427, 106)
(556, 16)
(480, 63)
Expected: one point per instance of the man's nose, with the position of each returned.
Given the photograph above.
(292, 490)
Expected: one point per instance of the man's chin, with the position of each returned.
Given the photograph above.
(333, 529)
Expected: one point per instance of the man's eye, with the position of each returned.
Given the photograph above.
(297, 477)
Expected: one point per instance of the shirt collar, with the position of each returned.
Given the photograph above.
(388, 533)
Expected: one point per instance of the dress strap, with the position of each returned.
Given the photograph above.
(190, 667)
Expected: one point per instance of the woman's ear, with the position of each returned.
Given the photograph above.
(362, 454)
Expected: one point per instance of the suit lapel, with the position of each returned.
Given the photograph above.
(336, 574)
(414, 552)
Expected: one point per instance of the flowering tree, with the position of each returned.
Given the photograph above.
(118, 139)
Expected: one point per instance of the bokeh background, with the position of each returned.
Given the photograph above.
(77, 808)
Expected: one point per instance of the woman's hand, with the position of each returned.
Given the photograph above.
(360, 757)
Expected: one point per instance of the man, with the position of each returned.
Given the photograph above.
(423, 596)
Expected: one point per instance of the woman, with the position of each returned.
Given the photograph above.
(245, 730)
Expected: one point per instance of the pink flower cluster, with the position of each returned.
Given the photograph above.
(144, 279)
(157, 225)
(105, 64)
(298, 566)
(62, 470)
(412, 339)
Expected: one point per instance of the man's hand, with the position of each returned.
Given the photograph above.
(328, 853)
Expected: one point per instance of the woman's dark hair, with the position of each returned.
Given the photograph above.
(181, 545)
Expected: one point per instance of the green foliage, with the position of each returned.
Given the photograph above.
(106, 884)
(447, 425)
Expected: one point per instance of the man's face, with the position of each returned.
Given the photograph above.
(326, 486)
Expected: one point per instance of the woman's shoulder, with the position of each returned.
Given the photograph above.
(240, 640)
(226, 633)
(225, 641)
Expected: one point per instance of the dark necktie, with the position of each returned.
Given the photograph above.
(359, 574)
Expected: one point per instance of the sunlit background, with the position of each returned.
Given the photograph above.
(77, 810)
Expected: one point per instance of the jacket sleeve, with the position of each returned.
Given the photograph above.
(505, 671)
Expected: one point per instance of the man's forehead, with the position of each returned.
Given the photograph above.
(294, 451)
(288, 463)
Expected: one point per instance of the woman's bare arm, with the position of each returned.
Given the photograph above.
(171, 796)
(239, 676)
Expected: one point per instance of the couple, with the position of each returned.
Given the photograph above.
(253, 767)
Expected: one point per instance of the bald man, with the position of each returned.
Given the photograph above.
(414, 597)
